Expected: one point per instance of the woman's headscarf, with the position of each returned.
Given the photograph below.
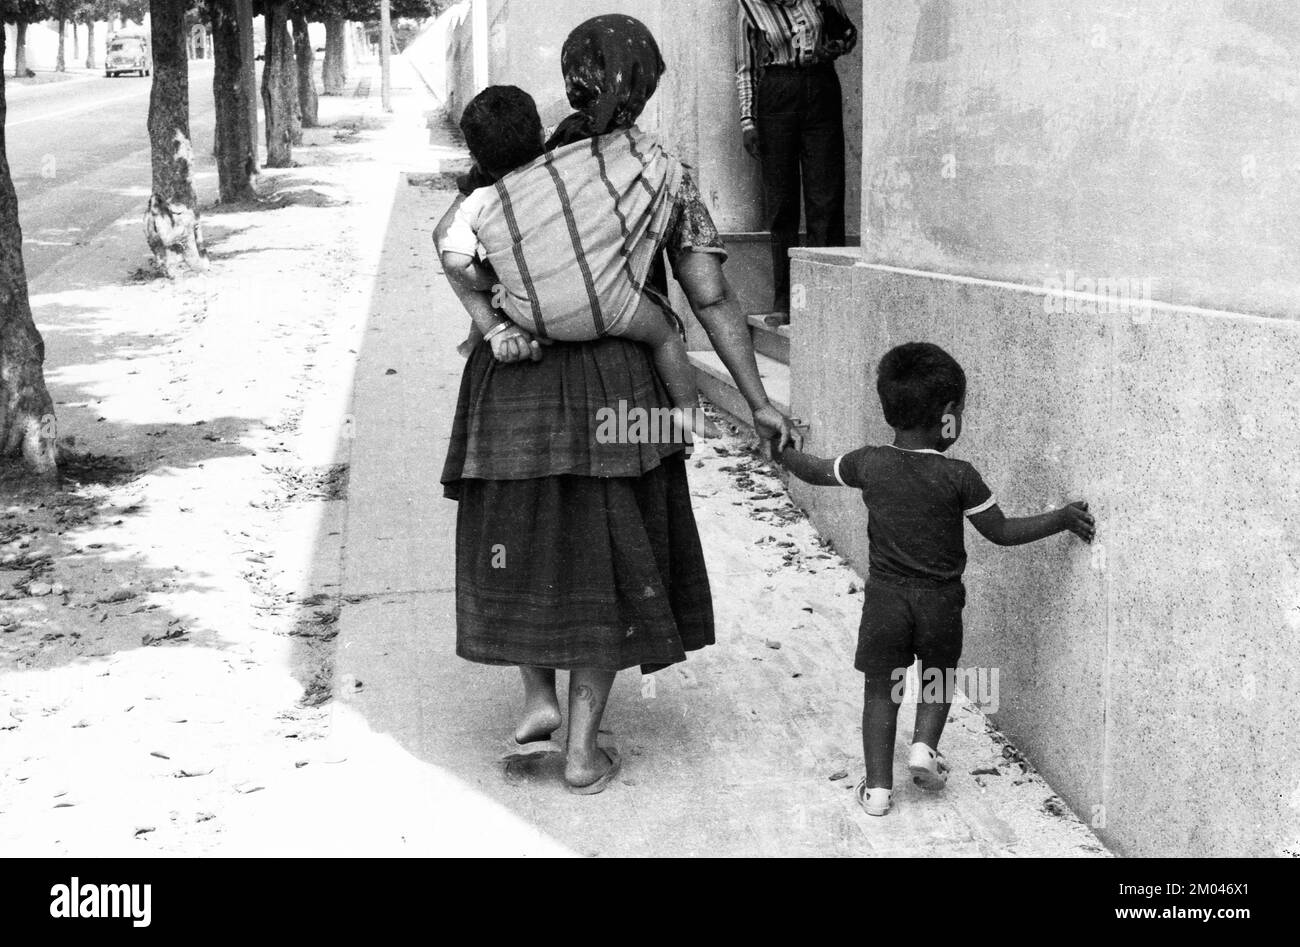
(612, 67)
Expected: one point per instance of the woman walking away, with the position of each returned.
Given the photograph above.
(574, 553)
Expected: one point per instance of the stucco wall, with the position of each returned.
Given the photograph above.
(1013, 139)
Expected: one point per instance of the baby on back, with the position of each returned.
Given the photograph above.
(565, 239)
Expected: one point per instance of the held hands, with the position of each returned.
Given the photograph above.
(771, 425)
(515, 345)
(750, 138)
(1078, 520)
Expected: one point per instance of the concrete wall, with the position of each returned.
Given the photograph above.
(1153, 138)
(465, 53)
(434, 53)
(1149, 676)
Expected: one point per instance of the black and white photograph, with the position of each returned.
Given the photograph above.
(691, 429)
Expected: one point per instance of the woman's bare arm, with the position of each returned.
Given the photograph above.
(715, 304)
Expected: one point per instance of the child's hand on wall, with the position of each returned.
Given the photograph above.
(1078, 520)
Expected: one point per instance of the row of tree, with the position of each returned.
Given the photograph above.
(27, 423)
(23, 13)
(290, 99)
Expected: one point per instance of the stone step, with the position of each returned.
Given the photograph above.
(772, 341)
(715, 384)
(749, 268)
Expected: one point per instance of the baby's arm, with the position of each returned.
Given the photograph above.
(455, 240)
(814, 470)
(509, 342)
(467, 271)
(1020, 530)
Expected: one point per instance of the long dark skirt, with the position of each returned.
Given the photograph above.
(581, 572)
(567, 570)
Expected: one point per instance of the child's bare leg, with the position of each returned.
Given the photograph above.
(466, 348)
(651, 326)
(879, 728)
(930, 716)
(541, 715)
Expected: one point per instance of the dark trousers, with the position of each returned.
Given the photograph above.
(801, 137)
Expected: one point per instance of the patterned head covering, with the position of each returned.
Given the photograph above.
(612, 67)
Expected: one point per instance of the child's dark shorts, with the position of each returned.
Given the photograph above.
(903, 621)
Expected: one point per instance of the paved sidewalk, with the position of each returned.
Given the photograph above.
(750, 748)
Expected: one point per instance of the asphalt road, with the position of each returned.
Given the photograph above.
(79, 156)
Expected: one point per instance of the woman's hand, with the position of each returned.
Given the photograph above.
(750, 137)
(515, 345)
(772, 425)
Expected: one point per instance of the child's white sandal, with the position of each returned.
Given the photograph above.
(874, 801)
(928, 767)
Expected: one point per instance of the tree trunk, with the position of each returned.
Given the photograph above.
(248, 63)
(279, 88)
(305, 58)
(335, 70)
(58, 62)
(76, 41)
(169, 105)
(234, 165)
(20, 53)
(385, 55)
(90, 45)
(27, 426)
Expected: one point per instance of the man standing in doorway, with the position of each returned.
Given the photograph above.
(792, 118)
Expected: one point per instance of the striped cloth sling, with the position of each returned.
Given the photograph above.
(573, 235)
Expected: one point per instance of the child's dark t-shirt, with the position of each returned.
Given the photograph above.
(917, 503)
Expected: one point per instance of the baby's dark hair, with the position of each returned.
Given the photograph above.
(502, 129)
(915, 381)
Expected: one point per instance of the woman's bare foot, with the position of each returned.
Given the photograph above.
(541, 715)
(584, 770)
(537, 723)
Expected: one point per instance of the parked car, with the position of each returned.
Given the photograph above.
(128, 53)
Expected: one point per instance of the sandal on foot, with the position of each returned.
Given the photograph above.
(928, 767)
(875, 801)
(517, 752)
(600, 785)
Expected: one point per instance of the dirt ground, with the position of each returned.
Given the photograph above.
(150, 600)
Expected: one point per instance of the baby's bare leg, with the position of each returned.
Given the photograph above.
(653, 326)
(466, 348)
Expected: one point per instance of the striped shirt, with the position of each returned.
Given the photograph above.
(776, 33)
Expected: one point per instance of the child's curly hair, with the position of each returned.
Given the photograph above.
(915, 381)
(503, 131)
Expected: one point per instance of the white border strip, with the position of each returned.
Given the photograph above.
(1153, 305)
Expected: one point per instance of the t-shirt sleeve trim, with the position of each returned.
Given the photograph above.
(838, 475)
(460, 236)
(986, 505)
